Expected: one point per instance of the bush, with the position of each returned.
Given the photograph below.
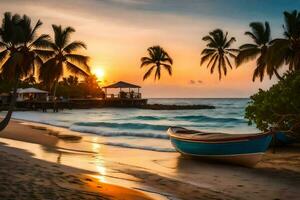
(277, 108)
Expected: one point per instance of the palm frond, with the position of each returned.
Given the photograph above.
(232, 50)
(58, 36)
(81, 60)
(73, 46)
(44, 54)
(146, 61)
(50, 71)
(248, 46)
(251, 35)
(259, 31)
(260, 69)
(278, 53)
(246, 54)
(168, 68)
(214, 64)
(166, 58)
(148, 73)
(37, 26)
(219, 67)
(229, 42)
(43, 41)
(206, 57)
(66, 34)
(207, 51)
(3, 55)
(224, 66)
(267, 35)
(157, 73)
(228, 62)
(74, 69)
(212, 59)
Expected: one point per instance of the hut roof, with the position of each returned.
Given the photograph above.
(31, 90)
(122, 84)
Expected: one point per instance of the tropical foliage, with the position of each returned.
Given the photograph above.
(286, 51)
(71, 87)
(25, 54)
(21, 51)
(62, 57)
(158, 58)
(261, 35)
(68, 87)
(277, 108)
(218, 52)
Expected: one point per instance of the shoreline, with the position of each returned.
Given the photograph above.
(32, 178)
(277, 176)
(33, 106)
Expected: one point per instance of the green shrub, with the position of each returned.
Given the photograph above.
(277, 108)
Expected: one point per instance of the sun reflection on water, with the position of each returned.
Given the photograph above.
(101, 169)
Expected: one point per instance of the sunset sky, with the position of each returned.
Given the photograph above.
(118, 33)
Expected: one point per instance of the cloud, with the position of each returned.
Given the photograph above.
(193, 82)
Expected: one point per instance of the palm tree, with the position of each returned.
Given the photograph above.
(20, 53)
(62, 57)
(261, 36)
(70, 81)
(218, 51)
(92, 87)
(158, 58)
(287, 50)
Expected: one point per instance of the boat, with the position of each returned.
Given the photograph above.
(283, 139)
(241, 149)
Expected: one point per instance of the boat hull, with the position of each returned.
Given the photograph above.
(244, 151)
(283, 139)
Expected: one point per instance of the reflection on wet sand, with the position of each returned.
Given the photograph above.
(159, 172)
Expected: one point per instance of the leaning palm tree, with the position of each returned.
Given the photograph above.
(158, 58)
(261, 36)
(20, 54)
(286, 51)
(62, 57)
(218, 51)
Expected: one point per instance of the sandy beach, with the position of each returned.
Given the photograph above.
(47, 166)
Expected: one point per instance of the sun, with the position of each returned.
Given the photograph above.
(99, 72)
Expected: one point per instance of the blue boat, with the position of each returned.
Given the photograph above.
(283, 139)
(242, 149)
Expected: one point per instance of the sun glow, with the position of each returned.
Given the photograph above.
(99, 72)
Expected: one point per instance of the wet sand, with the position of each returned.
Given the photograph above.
(164, 175)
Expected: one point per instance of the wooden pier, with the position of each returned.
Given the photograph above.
(103, 103)
(82, 104)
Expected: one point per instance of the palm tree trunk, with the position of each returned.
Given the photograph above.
(5, 121)
(54, 97)
(277, 75)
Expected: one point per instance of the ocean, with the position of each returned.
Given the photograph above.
(146, 129)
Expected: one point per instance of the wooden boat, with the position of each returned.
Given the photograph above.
(283, 139)
(242, 149)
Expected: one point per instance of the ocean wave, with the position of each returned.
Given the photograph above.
(149, 148)
(123, 125)
(203, 118)
(148, 118)
(56, 123)
(111, 133)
